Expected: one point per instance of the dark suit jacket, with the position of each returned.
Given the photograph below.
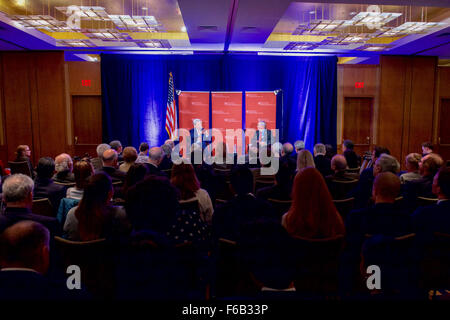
(166, 163)
(323, 165)
(229, 218)
(418, 188)
(363, 191)
(352, 158)
(205, 138)
(255, 139)
(46, 188)
(152, 170)
(14, 215)
(97, 163)
(115, 174)
(433, 218)
(28, 285)
(64, 177)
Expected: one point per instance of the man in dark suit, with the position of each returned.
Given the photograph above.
(339, 166)
(199, 135)
(110, 166)
(350, 155)
(322, 164)
(155, 156)
(64, 167)
(24, 260)
(97, 161)
(436, 217)
(262, 137)
(244, 208)
(18, 195)
(166, 162)
(44, 187)
(117, 145)
(288, 154)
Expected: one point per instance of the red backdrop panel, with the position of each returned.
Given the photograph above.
(227, 114)
(193, 105)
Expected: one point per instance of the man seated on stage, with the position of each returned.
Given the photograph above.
(262, 136)
(198, 134)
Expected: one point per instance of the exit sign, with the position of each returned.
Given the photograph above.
(86, 83)
(359, 84)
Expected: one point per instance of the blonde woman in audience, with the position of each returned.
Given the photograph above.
(412, 167)
(129, 157)
(82, 170)
(305, 159)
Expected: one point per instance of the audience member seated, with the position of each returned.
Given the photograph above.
(428, 167)
(312, 214)
(82, 171)
(384, 217)
(94, 217)
(427, 148)
(299, 145)
(97, 162)
(349, 154)
(25, 259)
(412, 167)
(23, 153)
(117, 146)
(184, 179)
(243, 208)
(304, 159)
(143, 153)
(154, 160)
(136, 173)
(109, 160)
(129, 157)
(322, 164)
(18, 196)
(331, 151)
(63, 167)
(283, 187)
(436, 217)
(44, 187)
(287, 153)
(276, 149)
(339, 166)
(152, 207)
(363, 191)
(166, 162)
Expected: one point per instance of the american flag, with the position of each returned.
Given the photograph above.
(171, 113)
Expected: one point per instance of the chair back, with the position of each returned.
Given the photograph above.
(280, 206)
(344, 206)
(65, 184)
(395, 256)
(19, 167)
(95, 261)
(264, 181)
(435, 263)
(191, 205)
(423, 201)
(43, 207)
(340, 189)
(317, 264)
(353, 170)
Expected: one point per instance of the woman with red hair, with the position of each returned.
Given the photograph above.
(184, 179)
(312, 213)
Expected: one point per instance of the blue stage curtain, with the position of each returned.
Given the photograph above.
(135, 91)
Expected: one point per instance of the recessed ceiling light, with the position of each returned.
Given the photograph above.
(312, 12)
(144, 8)
(183, 29)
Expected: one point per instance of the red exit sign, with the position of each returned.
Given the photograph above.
(359, 84)
(86, 83)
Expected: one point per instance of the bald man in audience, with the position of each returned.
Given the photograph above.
(155, 156)
(339, 166)
(383, 218)
(110, 166)
(24, 260)
(287, 153)
(63, 168)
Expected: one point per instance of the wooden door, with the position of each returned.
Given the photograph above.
(444, 129)
(358, 122)
(87, 124)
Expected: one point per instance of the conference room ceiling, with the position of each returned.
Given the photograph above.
(357, 31)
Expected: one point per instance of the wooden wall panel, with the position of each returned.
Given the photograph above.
(16, 101)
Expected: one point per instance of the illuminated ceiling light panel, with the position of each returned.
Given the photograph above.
(107, 35)
(346, 39)
(74, 43)
(87, 13)
(42, 22)
(368, 47)
(300, 46)
(155, 44)
(325, 25)
(141, 23)
(412, 27)
(373, 18)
